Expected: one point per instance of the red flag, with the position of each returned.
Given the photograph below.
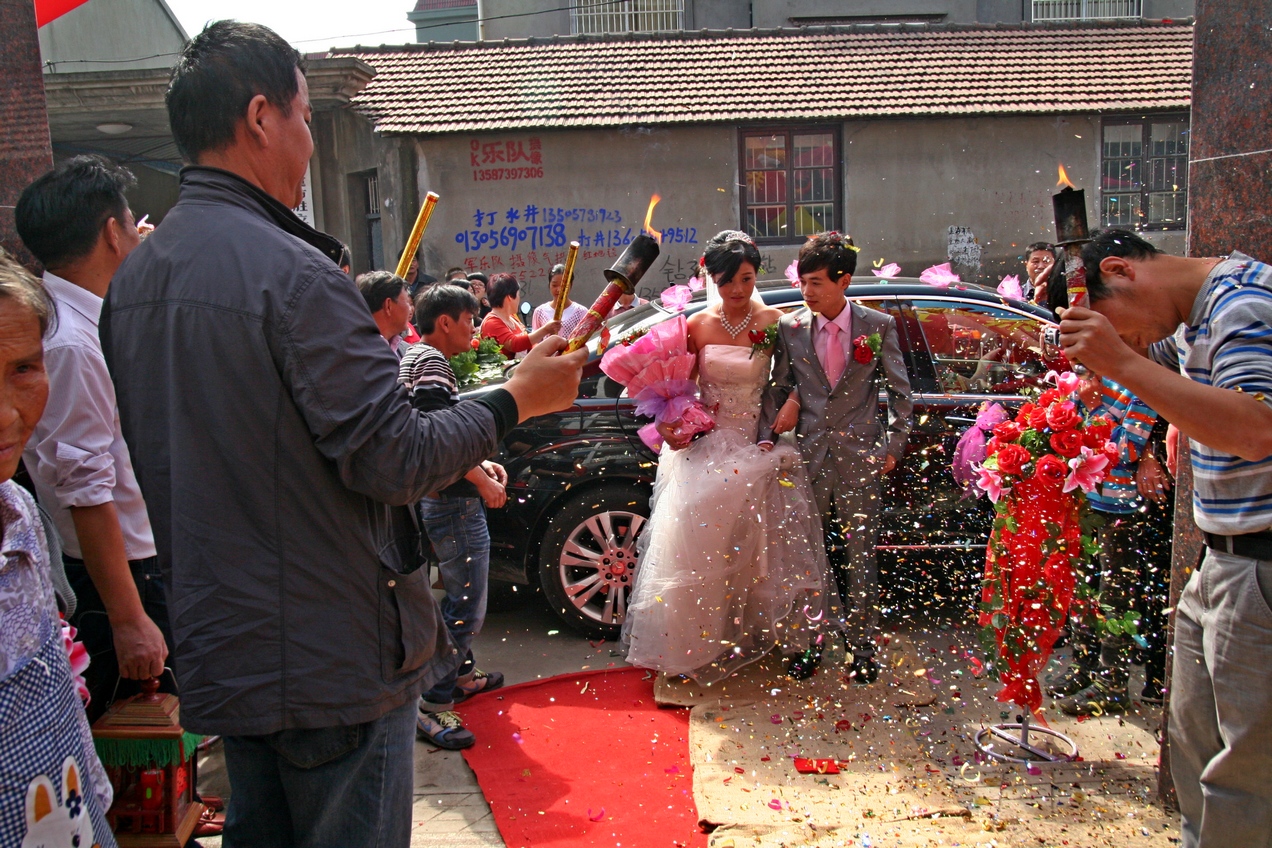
(51, 10)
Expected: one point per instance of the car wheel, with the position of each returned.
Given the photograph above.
(587, 564)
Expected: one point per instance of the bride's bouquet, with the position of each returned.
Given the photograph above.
(656, 368)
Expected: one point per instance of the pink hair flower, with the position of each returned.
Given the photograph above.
(939, 275)
(676, 298)
(887, 272)
(792, 272)
(1010, 287)
(1087, 471)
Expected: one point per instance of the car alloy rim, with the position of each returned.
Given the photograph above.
(598, 564)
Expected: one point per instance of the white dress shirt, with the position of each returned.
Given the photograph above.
(570, 318)
(77, 456)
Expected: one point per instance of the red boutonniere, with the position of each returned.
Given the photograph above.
(866, 348)
(762, 339)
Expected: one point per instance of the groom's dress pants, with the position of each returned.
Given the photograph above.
(850, 518)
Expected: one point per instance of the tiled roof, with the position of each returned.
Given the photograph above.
(431, 5)
(831, 73)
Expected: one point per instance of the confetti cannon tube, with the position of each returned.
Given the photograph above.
(623, 277)
(567, 280)
(417, 233)
(1069, 206)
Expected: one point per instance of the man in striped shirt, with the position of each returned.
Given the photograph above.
(454, 518)
(1209, 322)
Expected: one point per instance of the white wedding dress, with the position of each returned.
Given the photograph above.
(732, 562)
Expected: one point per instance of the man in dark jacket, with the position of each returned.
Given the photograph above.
(276, 452)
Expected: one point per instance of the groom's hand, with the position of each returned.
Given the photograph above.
(889, 463)
(787, 417)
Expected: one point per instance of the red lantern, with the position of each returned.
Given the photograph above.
(151, 763)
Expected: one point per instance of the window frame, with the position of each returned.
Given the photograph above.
(1145, 123)
(790, 131)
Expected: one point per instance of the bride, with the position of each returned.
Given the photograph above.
(731, 562)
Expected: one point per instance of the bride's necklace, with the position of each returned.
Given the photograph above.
(734, 329)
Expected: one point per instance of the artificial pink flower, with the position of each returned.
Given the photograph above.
(887, 272)
(989, 481)
(1066, 381)
(676, 297)
(1010, 287)
(1087, 471)
(939, 275)
(79, 659)
(697, 283)
(792, 272)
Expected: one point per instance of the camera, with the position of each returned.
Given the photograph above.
(1051, 336)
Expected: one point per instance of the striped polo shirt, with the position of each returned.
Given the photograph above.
(1227, 342)
(1132, 425)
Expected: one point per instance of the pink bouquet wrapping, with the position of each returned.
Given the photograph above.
(656, 369)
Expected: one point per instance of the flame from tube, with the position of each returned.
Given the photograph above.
(1063, 182)
(649, 215)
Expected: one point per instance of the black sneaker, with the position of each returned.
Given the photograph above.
(443, 730)
(802, 666)
(1096, 699)
(476, 683)
(1075, 678)
(864, 670)
(1152, 693)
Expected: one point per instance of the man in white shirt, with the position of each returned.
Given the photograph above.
(76, 221)
(570, 318)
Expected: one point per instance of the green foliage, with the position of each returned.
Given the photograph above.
(477, 366)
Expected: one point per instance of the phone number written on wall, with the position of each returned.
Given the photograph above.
(501, 160)
(538, 228)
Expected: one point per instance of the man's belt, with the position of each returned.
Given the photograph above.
(1252, 545)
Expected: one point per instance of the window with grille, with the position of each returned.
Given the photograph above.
(375, 237)
(1084, 10)
(791, 180)
(598, 16)
(1144, 173)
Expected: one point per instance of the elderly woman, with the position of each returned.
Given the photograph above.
(503, 325)
(53, 790)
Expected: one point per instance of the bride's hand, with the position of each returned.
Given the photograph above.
(674, 440)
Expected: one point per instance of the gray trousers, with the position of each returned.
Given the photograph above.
(852, 515)
(1221, 704)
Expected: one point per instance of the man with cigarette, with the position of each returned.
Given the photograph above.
(1207, 328)
(279, 455)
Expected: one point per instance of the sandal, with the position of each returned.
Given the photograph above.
(476, 683)
(443, 730)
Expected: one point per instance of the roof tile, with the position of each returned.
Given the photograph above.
(777, 75)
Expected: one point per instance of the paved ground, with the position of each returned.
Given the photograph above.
(524, 640)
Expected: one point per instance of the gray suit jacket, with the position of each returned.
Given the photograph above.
(841, 424)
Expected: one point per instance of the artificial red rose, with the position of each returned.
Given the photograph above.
(1068, 444)
(1049, 397)
(757, 337)
(1008, 431)
(993, 446)
(476, 343)
(1051, 469)
(1097, 432)
(1022, 417)
(862, 353)
(1012, 459)
(1063, 416)
(1038, 418)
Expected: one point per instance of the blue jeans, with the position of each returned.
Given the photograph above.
(457, 528)
(333, 787)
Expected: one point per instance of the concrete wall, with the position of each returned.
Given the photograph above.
(906, 184)
(144, 30)
(1169, 9)
(443, 25)
(717, 14)
(544, 25)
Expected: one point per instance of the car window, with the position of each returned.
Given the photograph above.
(981, 349)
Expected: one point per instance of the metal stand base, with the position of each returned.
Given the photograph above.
(1020, 749)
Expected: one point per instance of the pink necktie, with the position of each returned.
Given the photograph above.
(833, 362)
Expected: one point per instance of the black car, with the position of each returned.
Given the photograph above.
(580, 480)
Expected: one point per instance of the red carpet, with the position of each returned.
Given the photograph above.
(584, 759)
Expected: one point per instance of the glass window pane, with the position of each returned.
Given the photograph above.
(766, 221)
(814, 218)
(1167, 207)
(1121, 210)
(814, 151)
(764, 152)
(982, 350)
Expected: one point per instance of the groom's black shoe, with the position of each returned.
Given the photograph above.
(803, 665)
(864, 669)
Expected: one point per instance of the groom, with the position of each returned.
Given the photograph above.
(828, 365)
